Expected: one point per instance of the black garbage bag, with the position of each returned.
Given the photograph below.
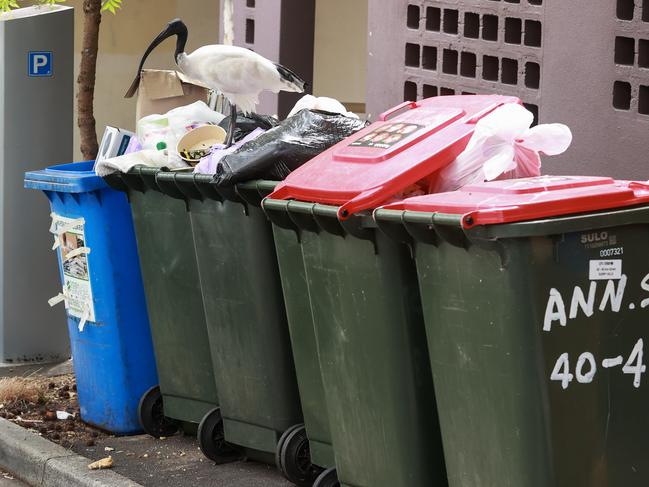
(248, 123)
(281, 150)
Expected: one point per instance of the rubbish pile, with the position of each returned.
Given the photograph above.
(190, 136)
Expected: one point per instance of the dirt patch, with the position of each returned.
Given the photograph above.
(33, 403)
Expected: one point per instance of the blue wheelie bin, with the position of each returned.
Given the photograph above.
(102, 292)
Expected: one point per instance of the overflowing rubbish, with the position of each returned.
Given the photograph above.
(250, 122)
(209, 163)
(160, 132)
(199, 142)
(504, 146)
(281, 150)
(115, 142)
(151, 158)
(321, 103)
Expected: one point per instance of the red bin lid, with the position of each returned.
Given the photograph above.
(366, 169)
(527, 199)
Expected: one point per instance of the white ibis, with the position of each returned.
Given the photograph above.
(239, 73)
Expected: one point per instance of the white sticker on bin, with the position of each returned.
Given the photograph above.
(84, 319)
(77, 252)
(58, 229)
(59, 298)
(605, 269)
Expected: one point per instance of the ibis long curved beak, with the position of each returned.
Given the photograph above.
(174, 28)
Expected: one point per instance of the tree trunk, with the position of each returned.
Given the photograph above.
(86, 80)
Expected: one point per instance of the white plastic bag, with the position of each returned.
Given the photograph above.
(504, 146)
(322, 103)
(164, 131)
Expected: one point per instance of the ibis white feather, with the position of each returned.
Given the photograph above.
(240, 74)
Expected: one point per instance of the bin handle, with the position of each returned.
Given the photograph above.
(406, 104)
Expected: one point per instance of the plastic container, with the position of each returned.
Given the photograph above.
(365, 305)
(100, 274)
(246, 322)
(187, 391)
(534, 295)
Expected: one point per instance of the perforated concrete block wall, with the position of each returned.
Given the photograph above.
(578, 62)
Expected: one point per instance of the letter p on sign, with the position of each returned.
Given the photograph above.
(40, 63)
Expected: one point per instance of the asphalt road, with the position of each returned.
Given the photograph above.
(177, 462)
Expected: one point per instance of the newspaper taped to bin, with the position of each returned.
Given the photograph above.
(73, 255)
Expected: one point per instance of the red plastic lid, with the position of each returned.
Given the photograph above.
(527, 199)
(366, 169)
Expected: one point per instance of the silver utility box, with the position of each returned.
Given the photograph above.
(36, 123)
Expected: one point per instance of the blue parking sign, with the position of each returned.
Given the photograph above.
(39, 63)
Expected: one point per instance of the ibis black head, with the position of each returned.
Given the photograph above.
(174, 28)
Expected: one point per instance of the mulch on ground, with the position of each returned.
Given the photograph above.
(33, 402)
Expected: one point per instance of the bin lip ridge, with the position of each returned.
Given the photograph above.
(75, 177)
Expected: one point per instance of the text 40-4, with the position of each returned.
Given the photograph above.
(586, 367)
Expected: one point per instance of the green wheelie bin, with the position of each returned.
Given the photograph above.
(367, 319)
(535, 294)
(305, 350)
(187, 390)
(248, 334)
(372, 352)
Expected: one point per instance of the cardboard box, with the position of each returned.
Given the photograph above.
(161, 90)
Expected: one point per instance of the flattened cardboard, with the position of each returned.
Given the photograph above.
(163, 90)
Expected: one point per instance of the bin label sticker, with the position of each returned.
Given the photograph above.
(601, 270)
(387, 135)
(73, 254)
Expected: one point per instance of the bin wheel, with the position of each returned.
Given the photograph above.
(328, 478)
(150, 412)
(211, 439)
(280, 444)
(295, 458)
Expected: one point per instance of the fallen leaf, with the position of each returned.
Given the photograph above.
(101, 464)
(109, 448)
